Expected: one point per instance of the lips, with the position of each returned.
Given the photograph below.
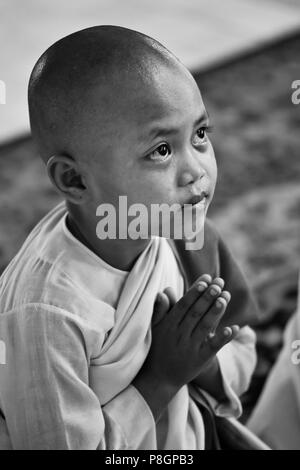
(198, 198)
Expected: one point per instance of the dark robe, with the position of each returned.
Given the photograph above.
(215, 259)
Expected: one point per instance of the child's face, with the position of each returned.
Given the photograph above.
(153, 148)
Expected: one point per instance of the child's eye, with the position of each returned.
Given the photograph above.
(201, 135)
(160, 153)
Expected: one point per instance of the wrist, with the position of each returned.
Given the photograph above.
(210, 369)
(155, 392)
(210, 380)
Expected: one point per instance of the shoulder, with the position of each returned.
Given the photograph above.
(61, 287)
(48, 327)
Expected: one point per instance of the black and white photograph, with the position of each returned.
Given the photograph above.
(149, 227)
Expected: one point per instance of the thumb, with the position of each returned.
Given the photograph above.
(161, 307)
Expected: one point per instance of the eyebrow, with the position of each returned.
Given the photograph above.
(158, 130)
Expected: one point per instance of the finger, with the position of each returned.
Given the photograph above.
(204, 278)
(220, 339)
(169, 291)
(202, 282)
(209, 322)
(202, 305)
(235, 331)
(214, 343)
(219, 282)
(190, 297)
(226, 295)
(201, 286)
(211, 294)
(161, 307)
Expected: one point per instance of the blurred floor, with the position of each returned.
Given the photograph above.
(201, 33)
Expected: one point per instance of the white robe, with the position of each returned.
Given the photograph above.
(276, 418)
(72, 349)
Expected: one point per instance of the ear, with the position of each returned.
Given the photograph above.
(66, 177)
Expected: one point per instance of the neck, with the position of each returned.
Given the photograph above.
(120, 254)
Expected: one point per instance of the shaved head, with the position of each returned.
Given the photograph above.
(86, 79)
(114, 113)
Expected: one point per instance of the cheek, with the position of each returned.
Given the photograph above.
(214, 171)
(212, 168)
(103, 187)
(156, 189)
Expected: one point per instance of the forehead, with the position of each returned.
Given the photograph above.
(134, 112)
(172, 97)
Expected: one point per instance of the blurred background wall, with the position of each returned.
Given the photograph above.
(201, 33)
(245, 55)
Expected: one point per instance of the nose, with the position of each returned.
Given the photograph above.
(191, 170)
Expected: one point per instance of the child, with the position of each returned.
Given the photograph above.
(87, 367)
